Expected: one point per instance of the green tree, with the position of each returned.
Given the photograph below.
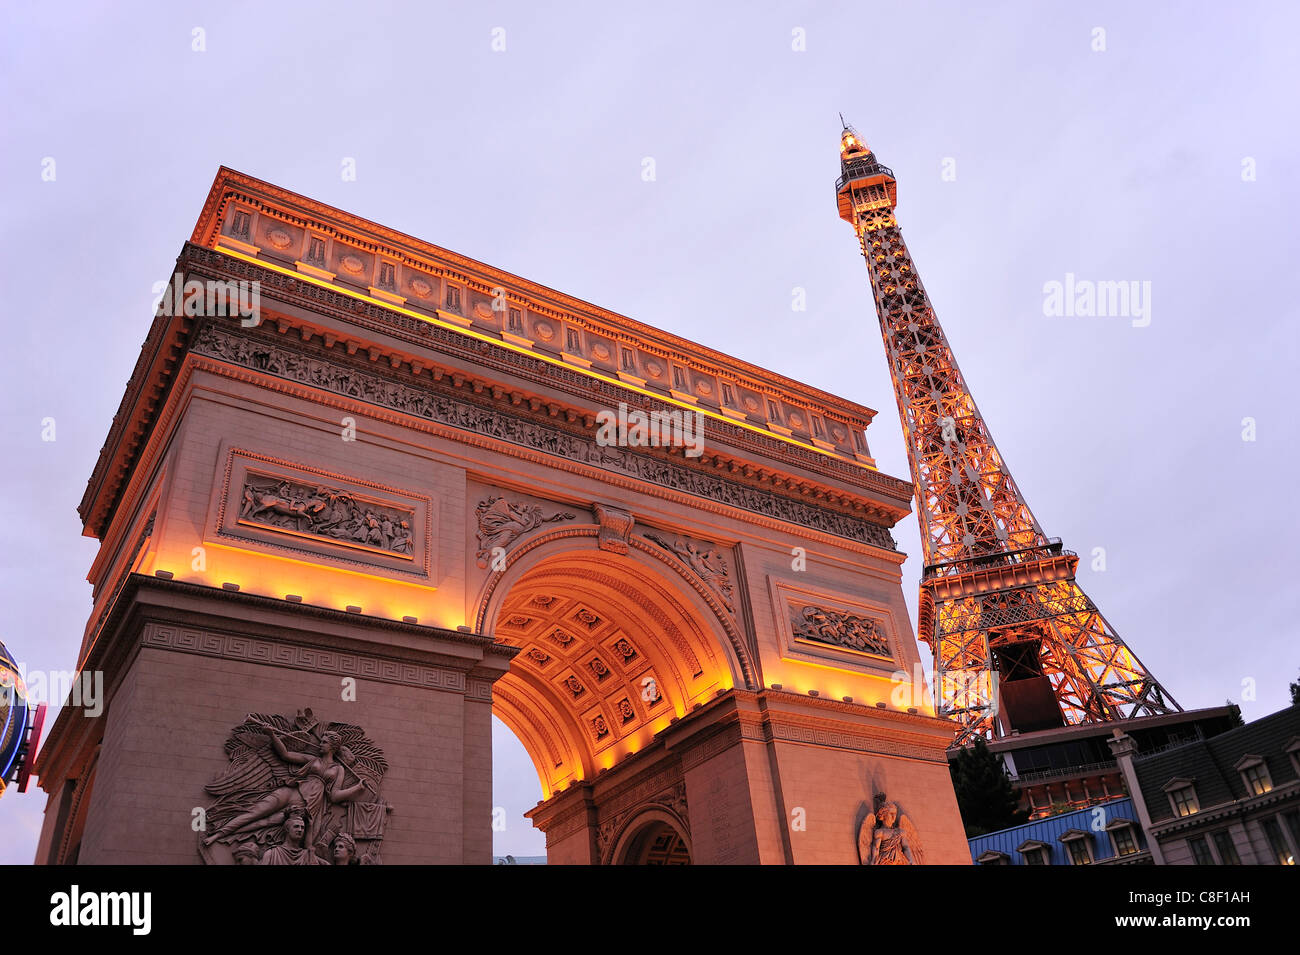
(985, 797)
(1295, 692)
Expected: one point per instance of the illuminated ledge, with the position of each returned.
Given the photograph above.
(575, 360)
(236, 244)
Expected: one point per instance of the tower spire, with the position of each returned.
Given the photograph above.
(1017, 643)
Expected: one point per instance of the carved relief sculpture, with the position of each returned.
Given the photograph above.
(323, 512)
(848, 630)
(501, 523)
(328, 375)
(706, 562)
(296, 793)
(887, 837)
(615, 527)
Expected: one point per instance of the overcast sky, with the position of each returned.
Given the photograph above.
(1023, 152)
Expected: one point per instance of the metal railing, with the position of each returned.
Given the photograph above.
(861, 169)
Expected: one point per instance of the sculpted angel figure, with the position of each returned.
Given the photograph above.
(277, 769)
(501, 523)
(887, 837)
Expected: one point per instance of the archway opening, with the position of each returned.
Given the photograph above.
(612, 649)
(657, 843)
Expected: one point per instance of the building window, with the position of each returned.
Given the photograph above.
(240, 226)
(728, 395)
(1292, 749)
(1293, 827)
(1200, 851)
(387, 275)
(818, 430)
(571, 343)
(1227, 851)
(679, 379)
(1183, 800)
(1125, 844)
(453, 298)
(628, 359)
(773, 412)
(992, 857)
(1277, 842)
(515, 321)
(1079, 846)
(1254, 773)
(1034, 852)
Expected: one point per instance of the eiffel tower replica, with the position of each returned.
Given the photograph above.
(1018, 646)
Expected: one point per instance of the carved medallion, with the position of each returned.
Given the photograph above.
(703, 388)
(483, 310)
(751, 404)
(600, 352)
(296, 793)
(654, 369)
(352, 263)
(544, 331)
(279, 238)
(849, 630)
(421, 288)
(887, 837)
(501, 523)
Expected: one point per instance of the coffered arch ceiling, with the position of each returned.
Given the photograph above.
(613, 649)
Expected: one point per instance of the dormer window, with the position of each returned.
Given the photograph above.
(1255, 775)
(1035, 852)
(1182, 796)
(1079, 846)
(992, 857)
(1123, 837)
(1292, 749)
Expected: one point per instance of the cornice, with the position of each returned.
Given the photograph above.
(375, 238)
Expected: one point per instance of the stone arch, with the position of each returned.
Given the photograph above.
(492, 591)
(636, 843)
(614, 647)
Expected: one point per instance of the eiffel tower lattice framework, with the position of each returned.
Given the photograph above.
(1017, 644)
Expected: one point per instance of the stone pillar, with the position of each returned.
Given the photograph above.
(1124, 748)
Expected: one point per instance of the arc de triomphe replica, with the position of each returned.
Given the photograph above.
(362, 493)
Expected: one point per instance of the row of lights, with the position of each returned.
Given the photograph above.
(847, 699)
(297, 599)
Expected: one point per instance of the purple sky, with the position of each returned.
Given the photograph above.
(1125, 164)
